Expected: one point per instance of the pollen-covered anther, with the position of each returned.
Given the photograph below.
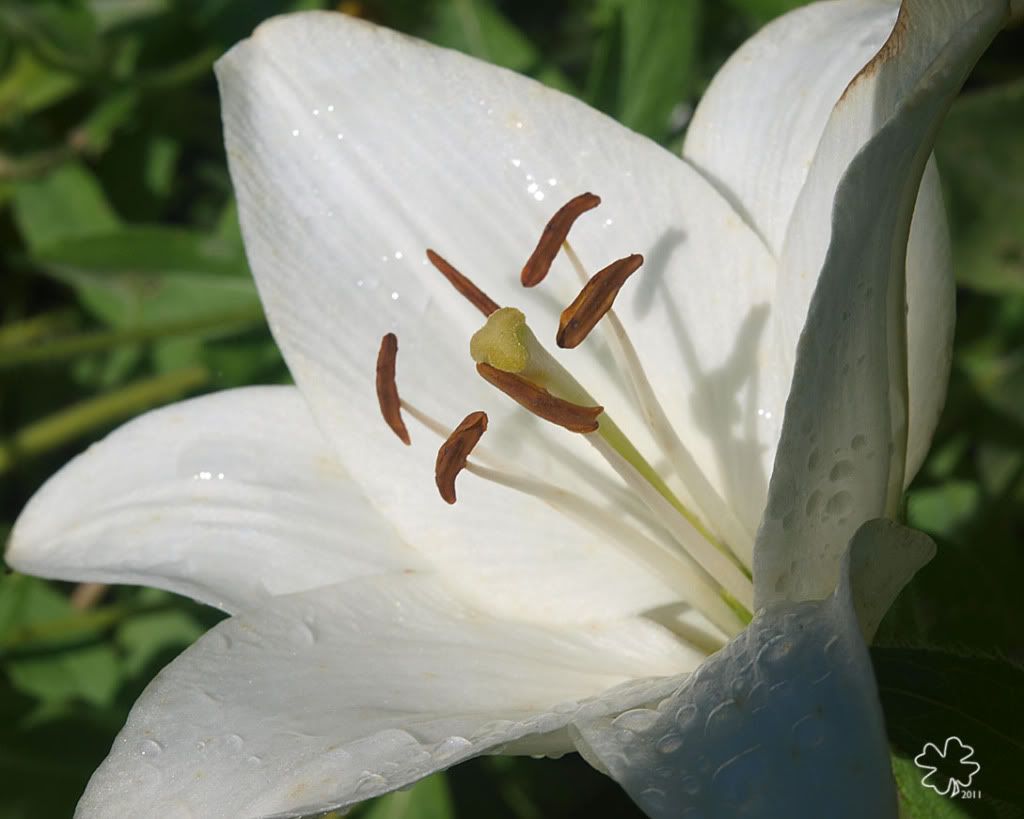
(595, 299)
(451, 457)
(555, 233)
(540, 402)
(473, 294)
(387, 390)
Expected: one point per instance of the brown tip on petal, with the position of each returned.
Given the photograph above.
(555, 233)
(473, 294)
(540, 402)
(387, 390)
(451, 457)
(594, 300)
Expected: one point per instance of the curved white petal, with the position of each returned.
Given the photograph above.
(760, 134)
(784, 721)
(882, 558)
(328, 697)
(842, 457)
(353, 149)
(756, 129)
(228, 498)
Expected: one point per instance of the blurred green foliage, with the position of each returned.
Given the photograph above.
(124, 285)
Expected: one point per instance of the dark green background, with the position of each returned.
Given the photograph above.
(124, 286)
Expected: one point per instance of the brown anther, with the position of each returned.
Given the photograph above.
(451, 457)
(473, 294)
(594, 300)
(540, 402)
(387, 390)
(555, 233)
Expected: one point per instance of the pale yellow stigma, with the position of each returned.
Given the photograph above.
(502, 341)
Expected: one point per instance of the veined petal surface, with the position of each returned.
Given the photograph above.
(346, 171)
(842, 457)
(760, 134)
(328, 697)
(228, 498)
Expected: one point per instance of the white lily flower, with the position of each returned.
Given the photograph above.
(380, 634)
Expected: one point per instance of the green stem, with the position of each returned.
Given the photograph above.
(85, 343)
(71, 423)
(26, 331)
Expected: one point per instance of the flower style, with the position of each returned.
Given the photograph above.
(791, 320)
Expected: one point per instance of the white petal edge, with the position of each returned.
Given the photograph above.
(756, 129)
(757, 133)
(228, 498)
(345, 172)
(842, 457)
(325, 698)
(783, 721)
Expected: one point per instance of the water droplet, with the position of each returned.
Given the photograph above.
(295, 132)
(843, 469)
(452, 746)
(254, 760)
(812, 503)
(150, 748)
(809, 732)
(691, 785)
(669, 744)
(201, 745)
(370, 782)
(858, 443)
(639, 719)
(773, 652)
(233, 742)
(686, 715)
(394, 295)
(839, 504)
(723, 720)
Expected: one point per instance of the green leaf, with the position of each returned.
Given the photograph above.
(929, 695)
(87, 670)
(67, 203)
(428, 799)
(918, 802)
(61, 33)
(761, 11)
(136, 275)
(645, 62)
(29, 85)
(983, 173)
(943, 510)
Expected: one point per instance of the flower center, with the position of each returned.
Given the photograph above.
(509, 356)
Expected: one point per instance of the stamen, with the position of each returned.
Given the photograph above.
(540, 402)
(555, 232)
(704, 494)
(713, 559)
(473, 294)
(659, 553)
(594, 300)
(387, 390)
(451, 457)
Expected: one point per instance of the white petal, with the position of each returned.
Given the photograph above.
(756, 129)
(758, 134)
(328, 697)
(228, 498)
(784, 721)
(842, 457)
(346, 170)
(882, 558)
